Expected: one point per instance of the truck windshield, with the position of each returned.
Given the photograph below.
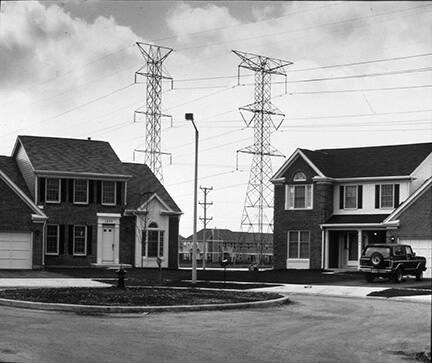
(385, 251)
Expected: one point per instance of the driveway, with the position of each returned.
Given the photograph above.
(311, 329)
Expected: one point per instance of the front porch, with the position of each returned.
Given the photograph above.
(342, 247)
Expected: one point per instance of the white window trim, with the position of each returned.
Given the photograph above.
(85, 241)
(299, 180)
(58, 241)
(287, 186)
(298, 245)
(356, 197)
(74, 191)
(59, 189)
(393, 197)
(158, 247)
(115, 192)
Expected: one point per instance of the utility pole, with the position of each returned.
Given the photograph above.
(258, 204)
(154, 71)
(205, 205)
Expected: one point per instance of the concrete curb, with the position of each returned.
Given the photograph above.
(100, 309)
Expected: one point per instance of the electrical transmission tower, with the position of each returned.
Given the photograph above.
(205, 205)
(266, 118)
(155, 72)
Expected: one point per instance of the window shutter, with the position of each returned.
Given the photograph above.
(70, 239)
(396, 196)
(341, 197)
(377, 196)
(41, 190)
(98, 192)
(91, 191)
(89, 240)
(62, 239)
(119, 193)
(71, 190)
(360, 196)
(63, 190)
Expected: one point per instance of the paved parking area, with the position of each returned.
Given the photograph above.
(312, 329)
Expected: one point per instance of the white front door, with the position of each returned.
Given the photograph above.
(108, 243)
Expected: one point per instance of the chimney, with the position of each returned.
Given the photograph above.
(89, 138)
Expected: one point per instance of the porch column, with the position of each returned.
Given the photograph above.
(99, 244)
(359, 240)
(327, 247)
(116, 243)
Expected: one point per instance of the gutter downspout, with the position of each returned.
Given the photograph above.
(43, 244)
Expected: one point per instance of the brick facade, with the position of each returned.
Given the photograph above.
(416, 221)
(173, 242)
(309, 220)
(127, 239)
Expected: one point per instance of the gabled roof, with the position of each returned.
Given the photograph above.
(409, 201)
(71, 155)
(11, 175)
(143, 186)
(374, 161)
(9, 166)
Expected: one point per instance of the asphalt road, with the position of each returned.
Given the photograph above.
(312, 329)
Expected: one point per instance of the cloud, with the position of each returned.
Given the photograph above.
(38, 42)
(186, 20)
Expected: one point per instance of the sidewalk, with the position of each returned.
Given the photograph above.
(341, 291)
(49, 282)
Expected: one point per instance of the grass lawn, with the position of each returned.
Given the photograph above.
(400, 292)
(138, 296)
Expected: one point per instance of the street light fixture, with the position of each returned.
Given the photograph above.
(190, 117)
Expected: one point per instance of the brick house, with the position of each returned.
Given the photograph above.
(329, 204)
(94, 209)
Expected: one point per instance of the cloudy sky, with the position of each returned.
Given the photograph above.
(361, 75)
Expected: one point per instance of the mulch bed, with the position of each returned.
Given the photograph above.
(201, 284)
(139, 296)
(400, 292)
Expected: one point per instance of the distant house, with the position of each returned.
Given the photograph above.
(239, 247)
(330, 203)
(74, 203)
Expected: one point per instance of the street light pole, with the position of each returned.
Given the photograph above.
(190, 117)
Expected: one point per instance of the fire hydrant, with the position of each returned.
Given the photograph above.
(121, 273)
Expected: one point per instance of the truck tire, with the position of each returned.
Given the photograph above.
(397, 276)
(419, 274)
(376, 259)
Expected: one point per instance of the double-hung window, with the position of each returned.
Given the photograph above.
(80, 240)
(81, 189)
(298, 244)
(351, 197)
(52, 239)
(299, 196)
(52, 190)
(155, 241)
(387, 196)
(108, 192)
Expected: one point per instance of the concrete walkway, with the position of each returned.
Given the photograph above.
(340, 291)
(28, 282)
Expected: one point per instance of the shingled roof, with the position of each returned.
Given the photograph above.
(9, 166)
(71, 155)
(231, 236)
(144, 185)
(392, 160)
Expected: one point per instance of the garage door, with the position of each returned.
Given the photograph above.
(422, 248)
(15, 251)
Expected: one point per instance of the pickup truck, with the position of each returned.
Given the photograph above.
(391, 260)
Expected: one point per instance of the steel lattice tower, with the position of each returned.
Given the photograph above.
(266, 118)
(154, 71)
